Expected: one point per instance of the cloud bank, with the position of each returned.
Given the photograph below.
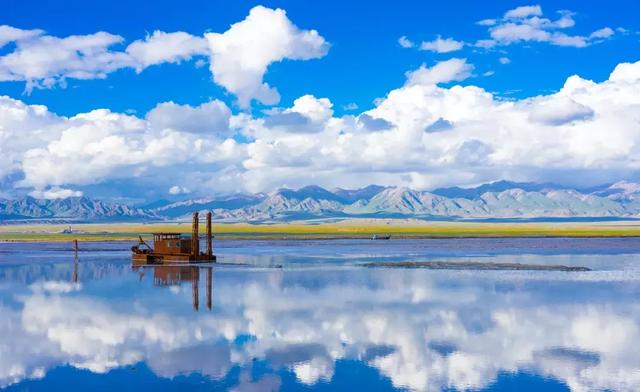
(421, 135)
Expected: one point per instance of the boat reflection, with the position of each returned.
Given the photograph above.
(171, 276)
(168, 276)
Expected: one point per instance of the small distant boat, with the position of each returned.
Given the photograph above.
(381, 237)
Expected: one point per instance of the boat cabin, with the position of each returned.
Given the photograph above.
(171, 243)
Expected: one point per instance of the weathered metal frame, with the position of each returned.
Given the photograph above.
(195, 256)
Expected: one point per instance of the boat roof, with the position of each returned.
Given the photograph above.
(167, 235)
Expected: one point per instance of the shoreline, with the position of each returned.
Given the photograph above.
(71, 238)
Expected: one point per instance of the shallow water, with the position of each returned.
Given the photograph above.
(304, 316)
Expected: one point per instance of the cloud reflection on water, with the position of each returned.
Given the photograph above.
(425, 330)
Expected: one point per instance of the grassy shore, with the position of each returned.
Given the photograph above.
(361, 228)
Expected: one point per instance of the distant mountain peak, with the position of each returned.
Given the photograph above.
(353, 195)
(629, 187)
(621, 190)
(496, 186)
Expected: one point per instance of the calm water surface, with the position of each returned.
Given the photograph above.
(304, 316)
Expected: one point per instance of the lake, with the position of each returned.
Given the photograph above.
(306, 315)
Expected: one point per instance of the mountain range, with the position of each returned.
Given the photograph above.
(497, 200)
(71, 208)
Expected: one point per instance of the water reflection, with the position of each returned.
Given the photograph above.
(172, 275)
(287, 328)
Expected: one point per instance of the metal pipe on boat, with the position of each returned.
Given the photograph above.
(209, 236)
(195, 240)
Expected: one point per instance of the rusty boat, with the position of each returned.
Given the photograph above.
(173, 248)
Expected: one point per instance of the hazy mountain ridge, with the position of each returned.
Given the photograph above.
(499, 200)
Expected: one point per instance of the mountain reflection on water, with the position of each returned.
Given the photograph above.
(320, 322)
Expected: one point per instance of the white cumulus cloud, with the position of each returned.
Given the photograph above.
(161, 47)
(442, 45)
(178, 190)
(523, 12)
(10, 34)
(49, 151)
(406, 42)
(241, 55)
(558, 111)
(55, 193)
(210, 117)
(604, 32)
(443, 72)
(527, 24)
(44, 61)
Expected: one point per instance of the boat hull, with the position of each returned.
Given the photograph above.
(158, 258)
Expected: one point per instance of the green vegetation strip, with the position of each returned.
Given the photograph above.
(349, 229)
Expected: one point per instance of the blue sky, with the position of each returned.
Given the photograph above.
(364, 63)
(356, 62)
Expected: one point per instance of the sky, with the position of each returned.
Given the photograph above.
(123, 100)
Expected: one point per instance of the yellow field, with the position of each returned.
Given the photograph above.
(347, 229)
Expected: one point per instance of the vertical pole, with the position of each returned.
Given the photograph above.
(209, 238)
(209, 285)
(195, 240)
(74, 275)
